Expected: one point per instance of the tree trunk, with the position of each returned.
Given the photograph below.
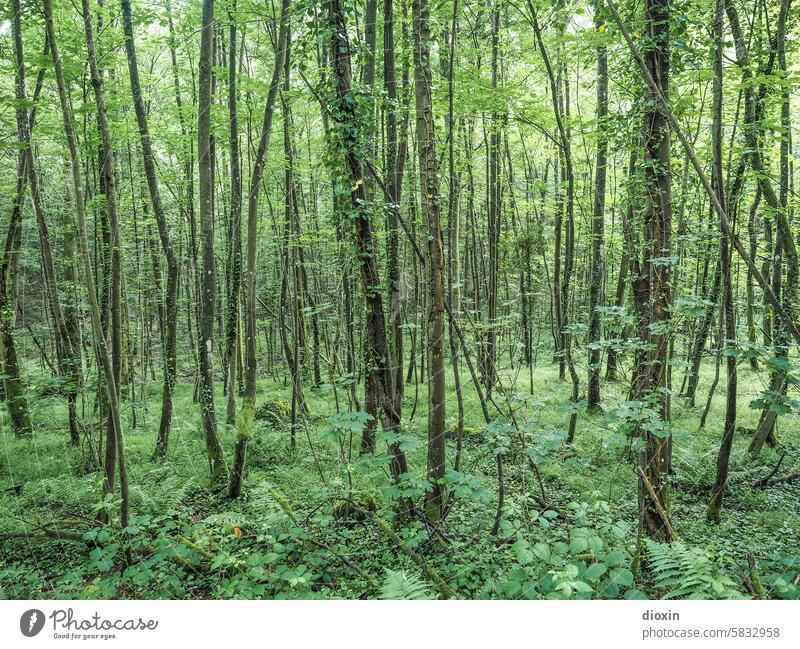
(429, 188)
(171, 298)
(234, 256)
(343, 110)
(598, 217)
(245, 425)
(15, 397)
(656, 457)
(208, 283)
(493, 209)
(91, 291)
(729, 343)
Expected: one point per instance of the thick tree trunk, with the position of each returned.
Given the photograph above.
(656, 457)
(15, 397)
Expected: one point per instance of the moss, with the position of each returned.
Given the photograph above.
(273, 411)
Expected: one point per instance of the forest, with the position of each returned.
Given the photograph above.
(399, 299)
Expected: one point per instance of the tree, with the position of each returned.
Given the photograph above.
(729, 430)
(234, 256)
(171, 296)
(656, 456)
(208, 282)
(13, 388)
(111, 393)
(598, 216)
(429, 187)
(245, 424)
(493, 214)
(343, 113)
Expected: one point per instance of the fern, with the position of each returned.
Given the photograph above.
(688, 573)
(398, 584)
(168, 494)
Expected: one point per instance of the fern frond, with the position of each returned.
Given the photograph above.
(688, 573)
(398, 584)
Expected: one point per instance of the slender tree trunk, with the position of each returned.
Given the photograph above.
(598, 217)
(234, 265)
(493, 209)
(429, 188)
(292, 247)
(628, 257)
(208, 280)
(171, 299)
(395, 162)
(561, 288)
(729, 343)
(696, 357)
(750, 293)
(453, 238)
(245, 424)
(343, 110)
(91, 291)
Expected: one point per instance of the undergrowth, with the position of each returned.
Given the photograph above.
(313, 520)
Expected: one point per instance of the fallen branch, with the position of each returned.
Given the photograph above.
(752, 582)
(443, 587)
(765, 480)
(792, 477)
(47, 532)
(284, 504)
(659, 507)
(78, 537)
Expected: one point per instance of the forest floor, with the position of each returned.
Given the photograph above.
(195, 543)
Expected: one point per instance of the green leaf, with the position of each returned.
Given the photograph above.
(622, 577)
(595, 571)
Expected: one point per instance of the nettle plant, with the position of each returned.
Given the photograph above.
(590, 559)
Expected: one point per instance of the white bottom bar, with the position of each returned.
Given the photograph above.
(350, 624)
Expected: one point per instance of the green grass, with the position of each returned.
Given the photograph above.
(59, 487)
